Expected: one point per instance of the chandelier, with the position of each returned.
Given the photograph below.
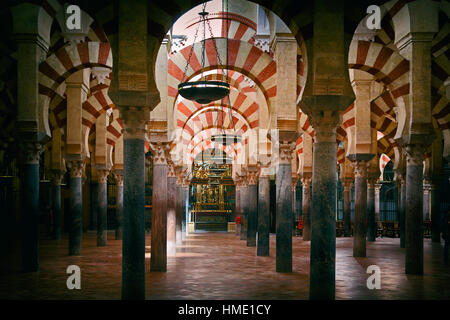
(203, 91)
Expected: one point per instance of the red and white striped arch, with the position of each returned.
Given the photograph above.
(240, 103)
(242, 57)
(386, 65)
(67, 60)
(235, 79)
(208, 144)
(214, 116)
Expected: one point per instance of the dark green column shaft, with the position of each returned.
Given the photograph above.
(133, 244)
(284, 217)
(263, 240)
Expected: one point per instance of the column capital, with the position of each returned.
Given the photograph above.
(360, 168)
(170, 168)
(57, 176)
(31, 152)
(179, 173)
(325, 124)
(252, 174)
(160, 152)
(102, 176)
(295, 179)
(118, 176)
(134, 120)
(347, 185)
(285, 152)
(76, 168)
(371, 182)
(415, 153)
(264, 165)
(306, 180)
(185, 182)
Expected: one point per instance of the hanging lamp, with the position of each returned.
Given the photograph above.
(226, 138)
(203, 91)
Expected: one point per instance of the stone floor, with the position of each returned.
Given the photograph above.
(220, 266)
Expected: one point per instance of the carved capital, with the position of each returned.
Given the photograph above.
(186, 182)
(102, 175)
(57, 176)
(306, 183)
(294, 182)
(360, 168)
(180, 174)
(415, 153)
(118, 176)
(160, 152)
(252, 175)
(100, 73)
(133, 121)
(285, 152)
(170, 169)
(325, 124)
(371, 182)
(347, 185)
(76, 168)
(31, 152)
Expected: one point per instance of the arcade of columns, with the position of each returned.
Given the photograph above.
(78, 110)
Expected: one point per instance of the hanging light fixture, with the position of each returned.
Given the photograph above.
(203, 91)
(226, 138)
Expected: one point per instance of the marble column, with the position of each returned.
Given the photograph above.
(263, 239)
(178, 208)
(57, 177)
(76, 169)
(118, 176)
(133, 244)
(93, 209)
(360, 225)
(184, 208)
(244, 208)
(377, 201)
(371, 220)
(414, 209)
(171, 214)
(294, 200)
(102, 209)
(284, 207)
(347, 210)
(306, 206)
(252, 205)
(30, 205)
(158, 260)
(426, 199)
(401, 211)
(238, 206)
(435, 213)
(323, 206)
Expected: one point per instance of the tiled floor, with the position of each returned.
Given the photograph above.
(220, 266)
